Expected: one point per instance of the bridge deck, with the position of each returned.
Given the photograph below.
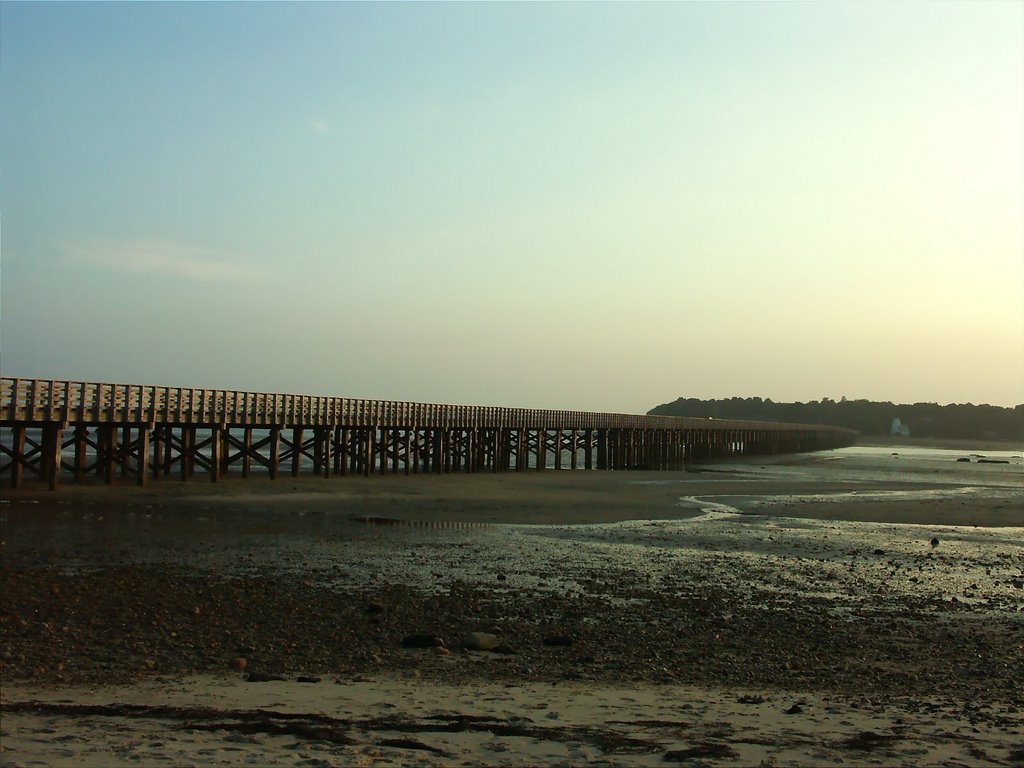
(139, 429)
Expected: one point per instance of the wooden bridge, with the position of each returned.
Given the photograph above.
(87, 429)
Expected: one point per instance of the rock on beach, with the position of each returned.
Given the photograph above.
(480, 641)
(422, 640)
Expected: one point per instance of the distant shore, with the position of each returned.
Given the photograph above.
(948, 443)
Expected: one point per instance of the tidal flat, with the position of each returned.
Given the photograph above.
(883, 584)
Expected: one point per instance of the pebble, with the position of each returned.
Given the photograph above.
(479, 641)
(693, 618)
(263, 677)
(422, 640)
(558, 640)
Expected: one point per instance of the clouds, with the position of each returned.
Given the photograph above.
(319, 126)
(190, 263)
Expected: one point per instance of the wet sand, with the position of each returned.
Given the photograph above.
(881, 595)
(890, 489)
(399, 721)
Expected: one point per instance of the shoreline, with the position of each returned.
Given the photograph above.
(943, 443)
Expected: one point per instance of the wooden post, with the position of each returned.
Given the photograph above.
(225, 449)
(186, 458)
(340, 438)
(409, 459)
(168, 440)
(215, 440)
(108, 450)
(124, 450)
(318, 451)
(158, 451)
(325, 440)
(81, 443)
(452, 455)
(574, 447)
(368, 444)
(353, 447)
(346, 453)
(296, 449)
(437, 460)
(246, 451)
(51, 455)
(193, 443)
(17, 465)
(275, 450)
(141, 466)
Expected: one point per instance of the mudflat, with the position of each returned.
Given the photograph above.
(844, 607)
(874, 484)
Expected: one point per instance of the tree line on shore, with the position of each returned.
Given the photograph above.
(960, 421)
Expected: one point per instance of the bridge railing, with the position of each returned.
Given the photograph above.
(47, 401)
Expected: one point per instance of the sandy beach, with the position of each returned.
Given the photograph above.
(852, 607)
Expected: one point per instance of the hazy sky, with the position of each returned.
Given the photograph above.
(587, 206)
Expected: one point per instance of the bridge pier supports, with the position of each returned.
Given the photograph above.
(132, 431)
(145, 450)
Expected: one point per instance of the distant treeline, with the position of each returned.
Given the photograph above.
(980, 422)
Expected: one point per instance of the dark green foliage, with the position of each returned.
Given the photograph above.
(966, 421)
